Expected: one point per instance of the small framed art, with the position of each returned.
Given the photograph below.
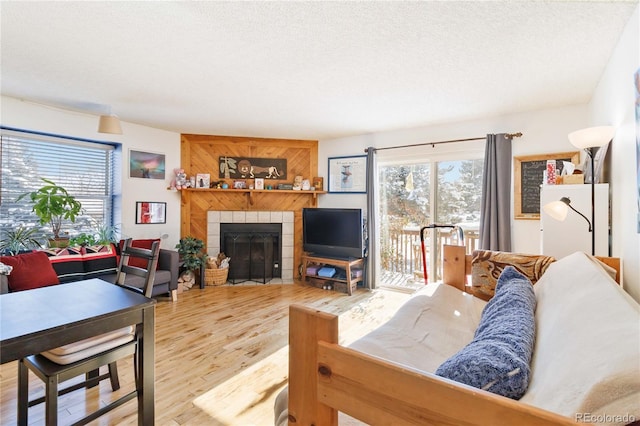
(148, 212)
(239, 184)
(318, 183)
(258, 183)
(202, 180)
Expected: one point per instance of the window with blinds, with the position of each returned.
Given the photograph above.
(84, 168)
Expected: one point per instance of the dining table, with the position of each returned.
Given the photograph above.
(45, 318)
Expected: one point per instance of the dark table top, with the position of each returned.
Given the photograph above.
(32, 315)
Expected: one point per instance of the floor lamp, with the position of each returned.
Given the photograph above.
(589, 139)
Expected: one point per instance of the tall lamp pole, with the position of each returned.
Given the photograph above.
(590, 139)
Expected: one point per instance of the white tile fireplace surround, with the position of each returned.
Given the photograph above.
(215, 218)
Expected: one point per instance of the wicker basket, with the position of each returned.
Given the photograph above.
(215, 276)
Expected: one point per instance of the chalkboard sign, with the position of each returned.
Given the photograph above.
(528, 175)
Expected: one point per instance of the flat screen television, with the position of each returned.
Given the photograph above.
(332, 232)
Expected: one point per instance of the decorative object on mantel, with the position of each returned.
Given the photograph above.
(217, 270)
(202, 180)
(246, 167)
(318, 183)
(297, 183)
(180, 180)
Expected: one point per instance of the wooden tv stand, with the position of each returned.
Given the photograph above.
(346, 264)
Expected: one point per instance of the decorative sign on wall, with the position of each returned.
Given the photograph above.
(250, 168)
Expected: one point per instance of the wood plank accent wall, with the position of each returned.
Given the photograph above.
(200, 154)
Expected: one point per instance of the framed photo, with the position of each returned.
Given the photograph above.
(348, 174)
(318, 183)
(146, 165)
(258, 183)
(239, 184)
(148, 212)
(202, 180)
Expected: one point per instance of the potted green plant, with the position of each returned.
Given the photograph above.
(16, 240)
(52, 204)
(101, 233)
(192, 255)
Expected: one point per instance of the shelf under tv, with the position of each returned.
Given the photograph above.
(345, 263)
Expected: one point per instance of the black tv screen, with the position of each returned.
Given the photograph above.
(332, 232)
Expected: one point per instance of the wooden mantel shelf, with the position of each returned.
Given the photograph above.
(288, 191)
(250, 192)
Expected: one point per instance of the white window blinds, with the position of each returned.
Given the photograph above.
(85, 169)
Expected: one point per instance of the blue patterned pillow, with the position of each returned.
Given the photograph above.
(497, 359)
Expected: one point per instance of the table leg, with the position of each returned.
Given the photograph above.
(23, 393)
(146, 369)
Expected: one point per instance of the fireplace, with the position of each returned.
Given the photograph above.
(254, 249)
(268, 259)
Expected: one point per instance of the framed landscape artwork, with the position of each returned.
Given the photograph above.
(146, 165)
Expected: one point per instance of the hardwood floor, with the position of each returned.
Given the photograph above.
(221, 356)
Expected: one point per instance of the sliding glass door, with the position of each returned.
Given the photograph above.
(419, 193)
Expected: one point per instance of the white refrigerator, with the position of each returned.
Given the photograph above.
(559, 239)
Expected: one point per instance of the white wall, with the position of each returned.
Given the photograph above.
(32, 116)
(613, 104)
(546, 131)
(543, 132)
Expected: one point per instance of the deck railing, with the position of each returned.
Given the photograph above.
(402, 252)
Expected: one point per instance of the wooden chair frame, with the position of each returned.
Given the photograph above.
(148, 273)
(325, 378)
(52, 373)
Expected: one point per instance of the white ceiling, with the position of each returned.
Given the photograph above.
(311, 70)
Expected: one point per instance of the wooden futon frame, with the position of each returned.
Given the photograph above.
(325, 378)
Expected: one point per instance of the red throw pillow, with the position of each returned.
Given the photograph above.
(30, 270)
(138, 261)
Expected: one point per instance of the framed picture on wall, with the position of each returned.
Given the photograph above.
(348, 174)
(146, 165)
(148, 212)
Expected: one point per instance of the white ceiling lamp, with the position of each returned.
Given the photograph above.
(110, 124)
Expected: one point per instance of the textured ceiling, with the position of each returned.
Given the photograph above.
(310, 70)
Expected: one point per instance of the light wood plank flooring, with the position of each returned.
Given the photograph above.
(221, 356)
